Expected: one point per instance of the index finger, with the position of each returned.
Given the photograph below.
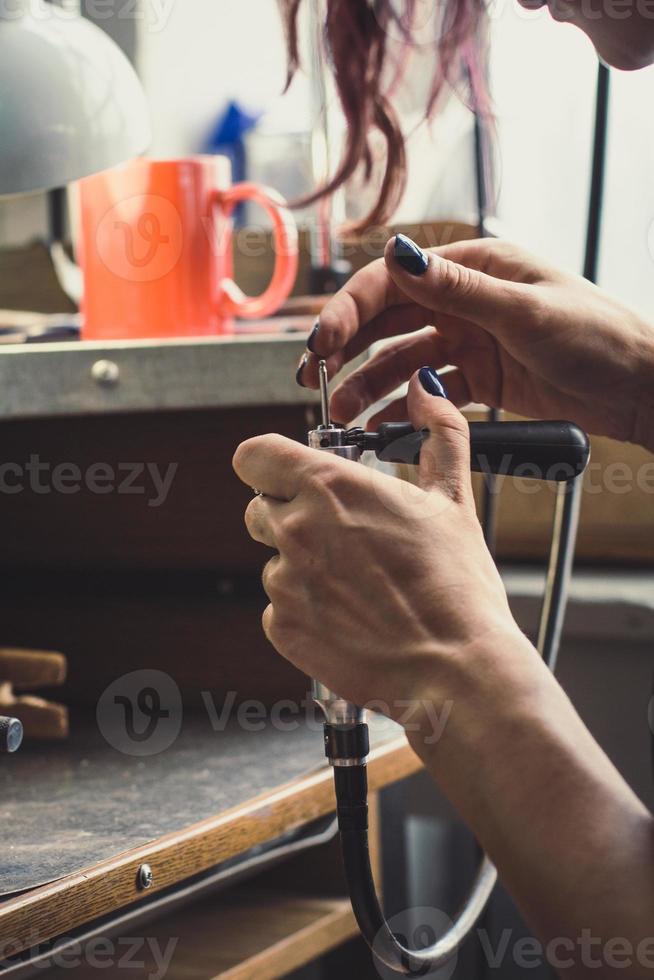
(273, 465)
(372, 290)
(368, 293)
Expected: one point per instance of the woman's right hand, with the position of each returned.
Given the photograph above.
(521, 336)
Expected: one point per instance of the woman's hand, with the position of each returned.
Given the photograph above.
(381, 589)
(521, 335)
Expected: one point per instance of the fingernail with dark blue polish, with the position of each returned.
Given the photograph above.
(300, 370)
(312, 336)
(431, 382)
(412, 259)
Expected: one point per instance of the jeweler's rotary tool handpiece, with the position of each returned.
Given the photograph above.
(343, 720)
(555, 451)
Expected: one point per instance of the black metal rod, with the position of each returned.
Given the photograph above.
(598, 170)
(490, 489)
(566, 515)
(564, 536)
(57, 208)
(481, 176)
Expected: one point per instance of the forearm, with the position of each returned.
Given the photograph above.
(644, 428)
(643, 432)
(572, 843)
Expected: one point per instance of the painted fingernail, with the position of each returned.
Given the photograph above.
(300, 369)
(412, 258)
(312, 336)
(431, 382)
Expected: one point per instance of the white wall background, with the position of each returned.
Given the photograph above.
(543, 77)
(207, 52)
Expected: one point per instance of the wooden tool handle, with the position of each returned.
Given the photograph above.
(32, 668)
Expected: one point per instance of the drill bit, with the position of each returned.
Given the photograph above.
(324, 394)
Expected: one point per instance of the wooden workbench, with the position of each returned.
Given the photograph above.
(79, 820)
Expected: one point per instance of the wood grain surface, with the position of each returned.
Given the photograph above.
(239, 936)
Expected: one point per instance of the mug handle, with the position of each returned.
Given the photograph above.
(232, 301)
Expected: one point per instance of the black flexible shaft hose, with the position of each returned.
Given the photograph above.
(351, 786)
(352, 808)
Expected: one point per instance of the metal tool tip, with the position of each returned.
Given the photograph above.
(324, 393)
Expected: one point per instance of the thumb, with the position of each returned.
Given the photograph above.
(445, 455)
(448, 287)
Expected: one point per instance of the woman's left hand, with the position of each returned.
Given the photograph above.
(382, 590)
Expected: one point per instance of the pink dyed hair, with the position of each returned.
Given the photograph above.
(356, 36)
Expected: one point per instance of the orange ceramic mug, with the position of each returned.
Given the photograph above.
(155, 247)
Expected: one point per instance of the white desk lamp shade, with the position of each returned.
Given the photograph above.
(70, 102)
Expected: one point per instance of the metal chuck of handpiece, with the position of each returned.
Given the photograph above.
(346, 734)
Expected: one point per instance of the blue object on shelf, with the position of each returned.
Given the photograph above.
(227, 139)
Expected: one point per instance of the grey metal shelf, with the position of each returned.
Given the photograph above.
(87, 378)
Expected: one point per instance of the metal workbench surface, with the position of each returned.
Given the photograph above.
(87, 378)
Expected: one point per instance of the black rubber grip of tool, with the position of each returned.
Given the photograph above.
(346, 743)
(351, 785)
(555, 451)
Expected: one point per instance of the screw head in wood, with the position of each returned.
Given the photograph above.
(145, 876)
